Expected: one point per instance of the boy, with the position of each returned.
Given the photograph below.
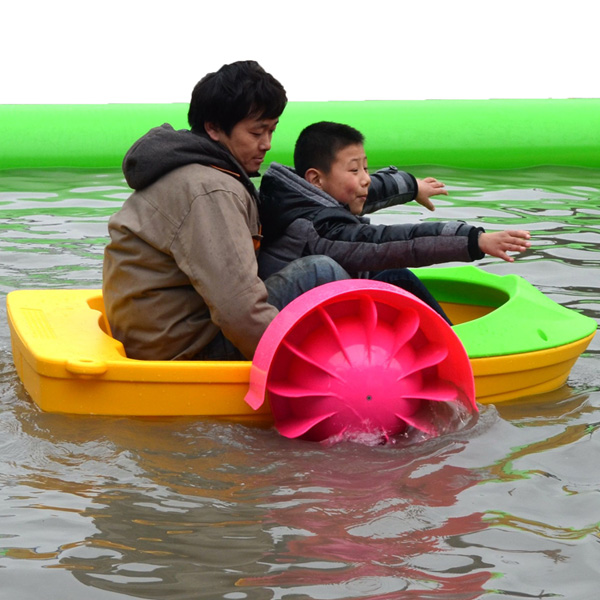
(180, 274)
(317, 209)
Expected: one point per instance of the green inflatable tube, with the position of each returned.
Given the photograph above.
(482, 134)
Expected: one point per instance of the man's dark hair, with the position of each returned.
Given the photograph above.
(236, 91)
(318, 144)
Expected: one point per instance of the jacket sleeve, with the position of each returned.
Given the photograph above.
(390, 187)
(215, 249)
(363, 247)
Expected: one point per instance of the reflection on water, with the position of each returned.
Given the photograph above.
(106, 508)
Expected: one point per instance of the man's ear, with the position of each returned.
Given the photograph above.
(313, 176)
(214, 132)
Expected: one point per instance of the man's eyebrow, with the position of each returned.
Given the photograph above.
(264, 123)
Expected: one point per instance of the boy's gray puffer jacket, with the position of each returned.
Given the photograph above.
(299, 219)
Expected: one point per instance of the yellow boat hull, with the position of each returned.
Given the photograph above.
(69, 363)
(514, 376)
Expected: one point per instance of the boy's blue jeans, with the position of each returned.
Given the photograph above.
(284, 286)
(305, 274)
(407, 280)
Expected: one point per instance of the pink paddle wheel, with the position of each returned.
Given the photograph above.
(355, 357)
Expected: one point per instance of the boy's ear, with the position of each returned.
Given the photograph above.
(313, 176)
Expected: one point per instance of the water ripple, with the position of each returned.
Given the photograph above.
(180, 508)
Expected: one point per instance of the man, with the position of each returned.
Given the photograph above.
(180, 272)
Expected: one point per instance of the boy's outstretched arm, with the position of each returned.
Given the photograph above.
(500, 242)
(429, 187)
(390, 187)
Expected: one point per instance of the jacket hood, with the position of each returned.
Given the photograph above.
(284, 196)
(164, 149)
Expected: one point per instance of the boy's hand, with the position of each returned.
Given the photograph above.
(500, 242)
(429, 187)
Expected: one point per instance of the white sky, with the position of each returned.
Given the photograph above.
(65, 51)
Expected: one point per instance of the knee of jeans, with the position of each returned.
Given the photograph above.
(328, 269)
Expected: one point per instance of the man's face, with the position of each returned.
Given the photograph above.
(348, 179)
(249, 141)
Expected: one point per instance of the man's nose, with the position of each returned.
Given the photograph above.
(265, 142)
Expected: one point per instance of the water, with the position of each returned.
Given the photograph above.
(108, 508)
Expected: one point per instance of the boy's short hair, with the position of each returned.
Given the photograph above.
(236, 91)
(318, 144)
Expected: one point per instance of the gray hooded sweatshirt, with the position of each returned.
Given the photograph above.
(181, 263)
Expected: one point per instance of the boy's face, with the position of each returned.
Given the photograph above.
(249, 140)
(348, 179)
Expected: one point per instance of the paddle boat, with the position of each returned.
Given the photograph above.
(519, 342)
